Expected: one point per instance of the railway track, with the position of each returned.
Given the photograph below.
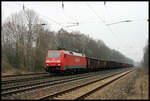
(23, 82)
(18, 82)
(8, 92)
(5, 76)
(21, 76)
(81, 91)
(10, 82)
(35, 85)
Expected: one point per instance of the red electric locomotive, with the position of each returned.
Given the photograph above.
(60, 60)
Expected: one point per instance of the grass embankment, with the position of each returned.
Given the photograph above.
(141, 86)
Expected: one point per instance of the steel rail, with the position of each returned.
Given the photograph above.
(45, 84)
(80, 86)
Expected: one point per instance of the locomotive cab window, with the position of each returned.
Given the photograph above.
(54, 55)
(64, 55)
(71, 52)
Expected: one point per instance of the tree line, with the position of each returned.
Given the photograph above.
(25, 42)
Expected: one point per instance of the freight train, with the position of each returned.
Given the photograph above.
(62, 60)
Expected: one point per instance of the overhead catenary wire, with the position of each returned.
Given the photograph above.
(115, 22)
(95, 13)
(135, 44)
(73, 25)
(52, 20)
(48, 18)
(110, 17)
(103, 22)
(74, 21)
(111, 29)
(56, 22)
(126, 42)
(121, 22)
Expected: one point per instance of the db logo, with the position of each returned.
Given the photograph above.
(77, 60)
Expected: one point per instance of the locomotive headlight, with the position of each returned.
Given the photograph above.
(47, 61)
(58, 61)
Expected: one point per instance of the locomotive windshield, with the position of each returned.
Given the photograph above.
(54, 55)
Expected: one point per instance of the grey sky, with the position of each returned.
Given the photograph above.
(128, 38)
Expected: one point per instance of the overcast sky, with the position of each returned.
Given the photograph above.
(128, 37)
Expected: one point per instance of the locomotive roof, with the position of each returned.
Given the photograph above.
(70, 52)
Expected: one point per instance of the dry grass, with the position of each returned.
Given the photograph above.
(141, 87)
